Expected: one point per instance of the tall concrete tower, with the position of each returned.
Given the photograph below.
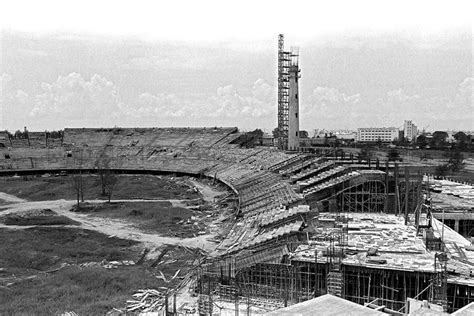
(294, 109)
(288, 99)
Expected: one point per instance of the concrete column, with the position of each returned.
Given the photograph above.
(293, 110)
(456, 225)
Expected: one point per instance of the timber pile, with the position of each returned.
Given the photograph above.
(146, 301)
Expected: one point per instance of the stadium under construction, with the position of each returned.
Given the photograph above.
(305, 225)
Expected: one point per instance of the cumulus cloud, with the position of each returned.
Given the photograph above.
(228, 102)
(331, 108)
(73, 100)
(327, 107)
(73, 97)
(448, 111)
(14, 103)
(160, 105)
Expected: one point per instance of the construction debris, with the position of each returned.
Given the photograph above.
(108, 264)
(148, 300)
(162, 276)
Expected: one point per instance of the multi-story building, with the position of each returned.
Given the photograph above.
(374, 134)
(410, 130)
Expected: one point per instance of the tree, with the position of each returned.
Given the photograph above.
(18, 134)
(257, 136)
(459, 136)
(303, 134)
(77, 178)
(393, 155)
(250, 139)
(107, 177)
(102, 165)
(110, 180)
(378, 143)
(78, 186)
(276, 133)
(456, 161)
(365, 153)
(439, 139)
(422, 141)
(461, 140)
(441, 170)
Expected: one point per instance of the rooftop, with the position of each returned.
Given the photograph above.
(326, 305)
(398, 247)
(395, 242)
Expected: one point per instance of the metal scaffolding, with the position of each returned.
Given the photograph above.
(284, 59)
(368, 197)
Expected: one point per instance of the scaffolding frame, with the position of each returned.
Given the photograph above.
(440, 280)
(284, 59)
(367, 197)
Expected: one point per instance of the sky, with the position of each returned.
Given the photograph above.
(214, 63)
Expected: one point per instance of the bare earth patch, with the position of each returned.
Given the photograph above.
(56, 257)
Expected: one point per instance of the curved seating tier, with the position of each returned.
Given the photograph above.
(261, 191)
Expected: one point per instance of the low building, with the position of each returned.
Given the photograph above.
(375, 134)
(267, 140)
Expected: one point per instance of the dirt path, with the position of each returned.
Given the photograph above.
(111, 227)
(117, 227)
(10, 198)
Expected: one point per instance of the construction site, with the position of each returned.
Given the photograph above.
(298, 225)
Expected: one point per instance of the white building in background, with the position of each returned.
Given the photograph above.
(374, 134)
(410, 131)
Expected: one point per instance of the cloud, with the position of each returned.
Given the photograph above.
(14, 103)
(329, 107)
(32, 53)
(456, 111)
(160, 63)
(227, 102)
(465, 95)
(160, 105)
(74, 98)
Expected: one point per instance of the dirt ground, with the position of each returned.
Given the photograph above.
(40, 188)
(54, 262)
(164, 217)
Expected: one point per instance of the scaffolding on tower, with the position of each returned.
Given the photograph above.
(284, 59)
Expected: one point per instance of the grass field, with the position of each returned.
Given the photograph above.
(86, 291)
(42, 248)
(26, 286)
(36, 188)
(36, 217)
